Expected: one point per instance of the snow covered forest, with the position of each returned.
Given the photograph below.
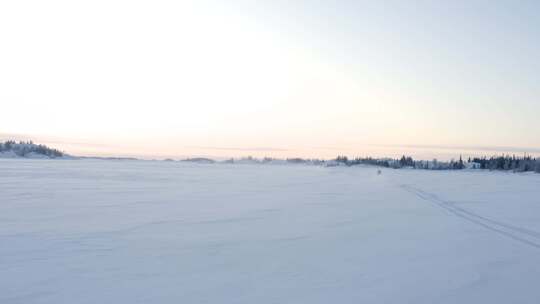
(505, 163)
(29, 148)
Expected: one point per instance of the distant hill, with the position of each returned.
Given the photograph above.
(200, 160)
(13, 149)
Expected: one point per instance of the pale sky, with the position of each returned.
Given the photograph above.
(271, 78)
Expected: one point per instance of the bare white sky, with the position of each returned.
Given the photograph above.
(312, 78)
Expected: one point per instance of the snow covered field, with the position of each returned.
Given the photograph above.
(96, 231)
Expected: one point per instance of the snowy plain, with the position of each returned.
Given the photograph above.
(103, 231)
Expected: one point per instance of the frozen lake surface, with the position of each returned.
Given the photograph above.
(97, 231)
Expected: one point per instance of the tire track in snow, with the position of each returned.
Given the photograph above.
(522, 235)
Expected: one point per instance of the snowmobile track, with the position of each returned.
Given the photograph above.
(522, 235)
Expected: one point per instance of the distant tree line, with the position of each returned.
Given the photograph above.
(504, 163)
(403, 162)
(22, 149)
(507, 163)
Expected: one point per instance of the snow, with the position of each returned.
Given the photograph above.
(105, 231)
(30, 155)
(8, 154)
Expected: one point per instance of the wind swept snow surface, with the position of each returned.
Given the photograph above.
(97, 231)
